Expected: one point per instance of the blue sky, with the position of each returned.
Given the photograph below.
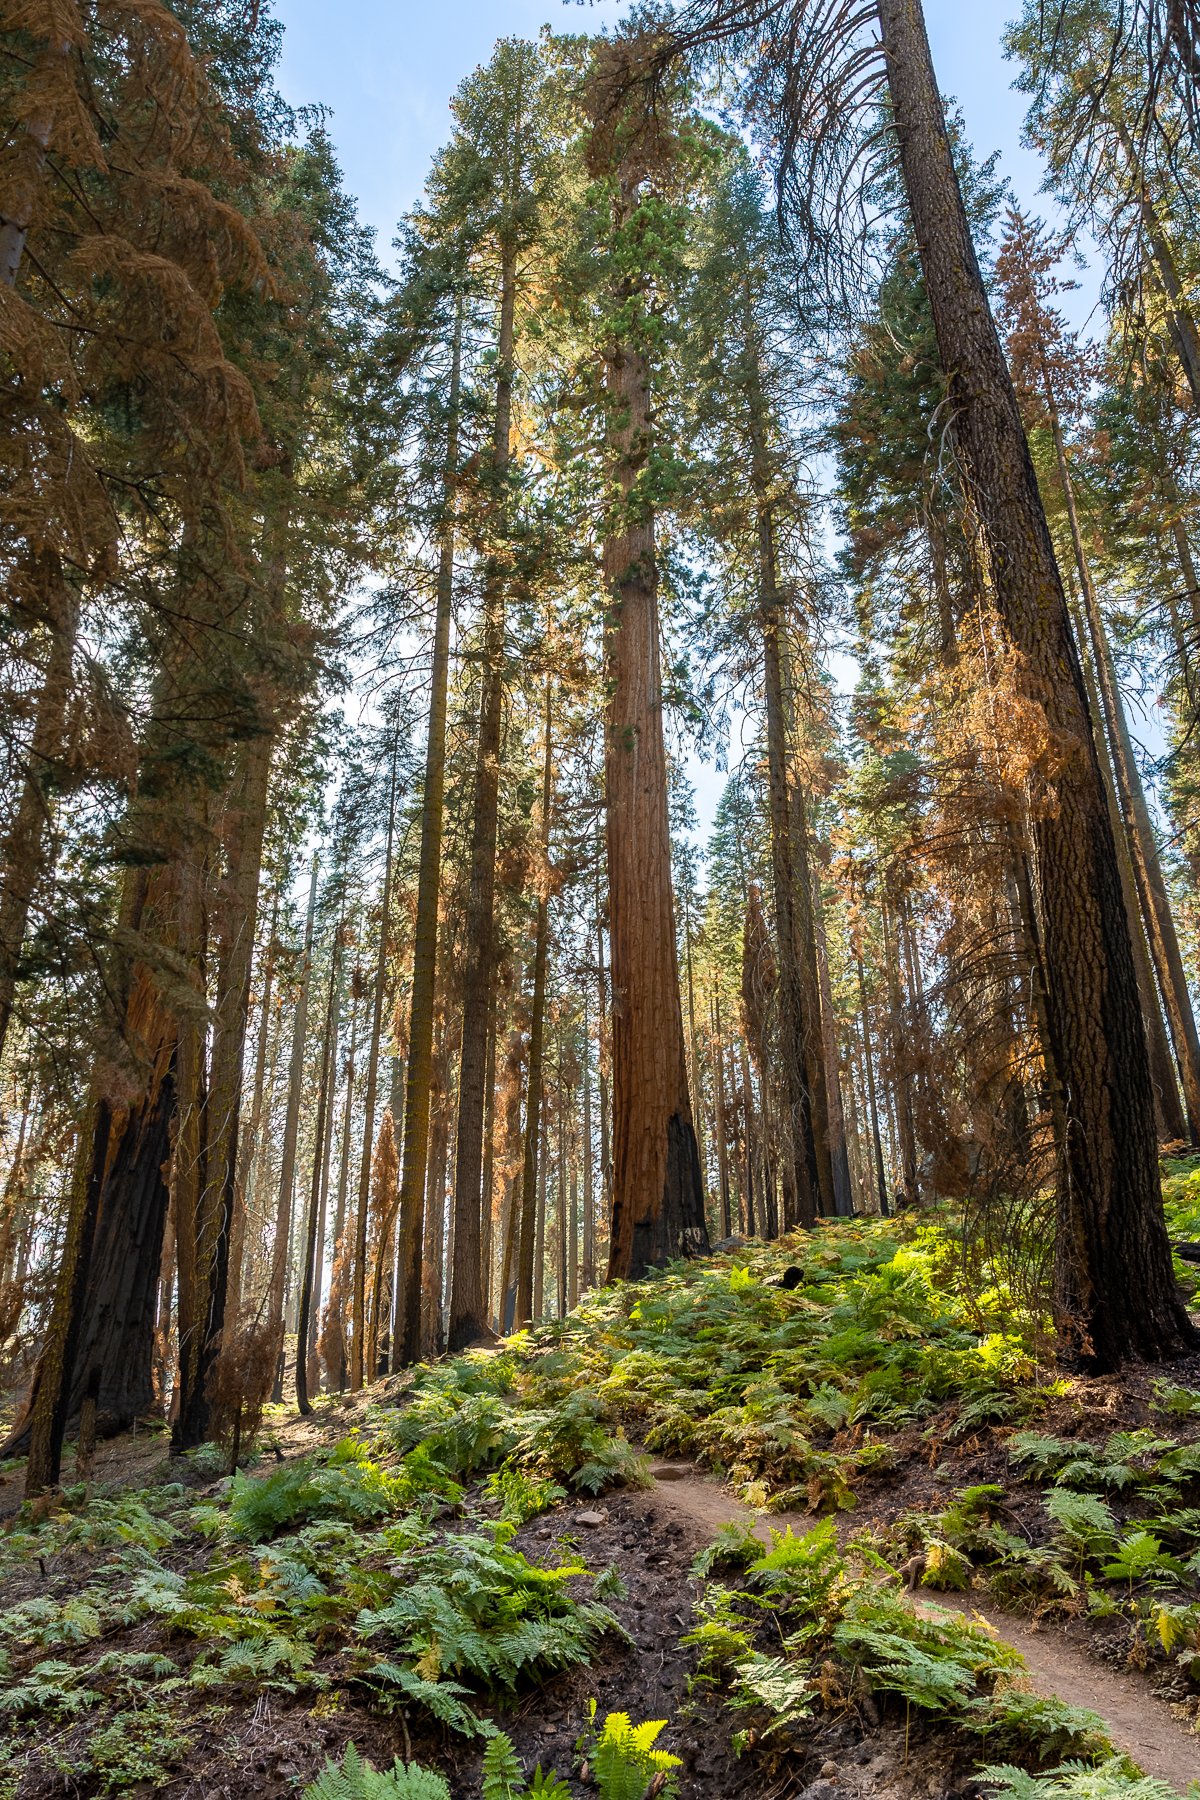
(388, 67)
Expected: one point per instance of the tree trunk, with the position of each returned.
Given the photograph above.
(244, 830)
(310, 1279)
(425, 935)
(359, 1371)
(587, 1273)
(658, 1198)
(1115, 1290)
(468, 1323)
(1147, 870)
(291, 1132)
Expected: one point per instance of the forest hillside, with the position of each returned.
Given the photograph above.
(600, 917)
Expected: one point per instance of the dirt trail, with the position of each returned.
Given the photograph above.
(1140, 1724)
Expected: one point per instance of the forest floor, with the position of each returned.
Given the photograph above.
(852, 1540)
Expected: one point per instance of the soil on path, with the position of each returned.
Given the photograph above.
(1140, 1723)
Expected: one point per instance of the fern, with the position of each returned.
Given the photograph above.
(504, 1779)
(1109, 1780)
(623, 1759)
(776, 1685)
(356, 1779)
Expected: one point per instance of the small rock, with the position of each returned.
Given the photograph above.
(671, 1471)
(830, 1771)
(591, 1519)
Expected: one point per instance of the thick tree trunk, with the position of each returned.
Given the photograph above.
(469, 1323)
(418, 1085)
(658, 1198)
(1115, 1291)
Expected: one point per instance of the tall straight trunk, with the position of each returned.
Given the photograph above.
(1147, 869)
(487, 1223)
(358, 1364)
(573, 1236)
(587, 1273)
(338, 1372)
(1168, 1111)
(1115, 1291)
(897, 1037)
(810, 1177)
(22, 855)
(602, 1064)
(329, 1077)
(872, 1103)
(839, 1155)
(722, 1118)
(560, 1192)
(202, 1323)
(248, 1140)
(539, 1241)
(309, 1277)
(537, 1027)
(291, 1132)
(750, 1220)
(696, 1085)
(468, 1323)
(188, 1157)
(658, 1197)
(425, 934)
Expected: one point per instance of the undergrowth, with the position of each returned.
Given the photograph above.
(383, 1574)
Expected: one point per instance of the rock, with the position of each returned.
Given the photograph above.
(830, 1771)
(672, 1471)
(590, 1519)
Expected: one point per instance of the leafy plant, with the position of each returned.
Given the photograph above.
(1110, 1780)
(622, 1757)
(522, 1497)
(504, 1778)
(475, 1607)
(353, 1778)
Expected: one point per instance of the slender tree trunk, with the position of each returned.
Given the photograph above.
(424, 988)
(1115, 1290)
(468, 1323)
(359, 1370)
(872, 1106)
(1147, 869)
(489, 1164)
(248, 1140)
(722, 1120)
(587, 1273)
(291, 1135)
(526, 1276)
(309, 1278)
